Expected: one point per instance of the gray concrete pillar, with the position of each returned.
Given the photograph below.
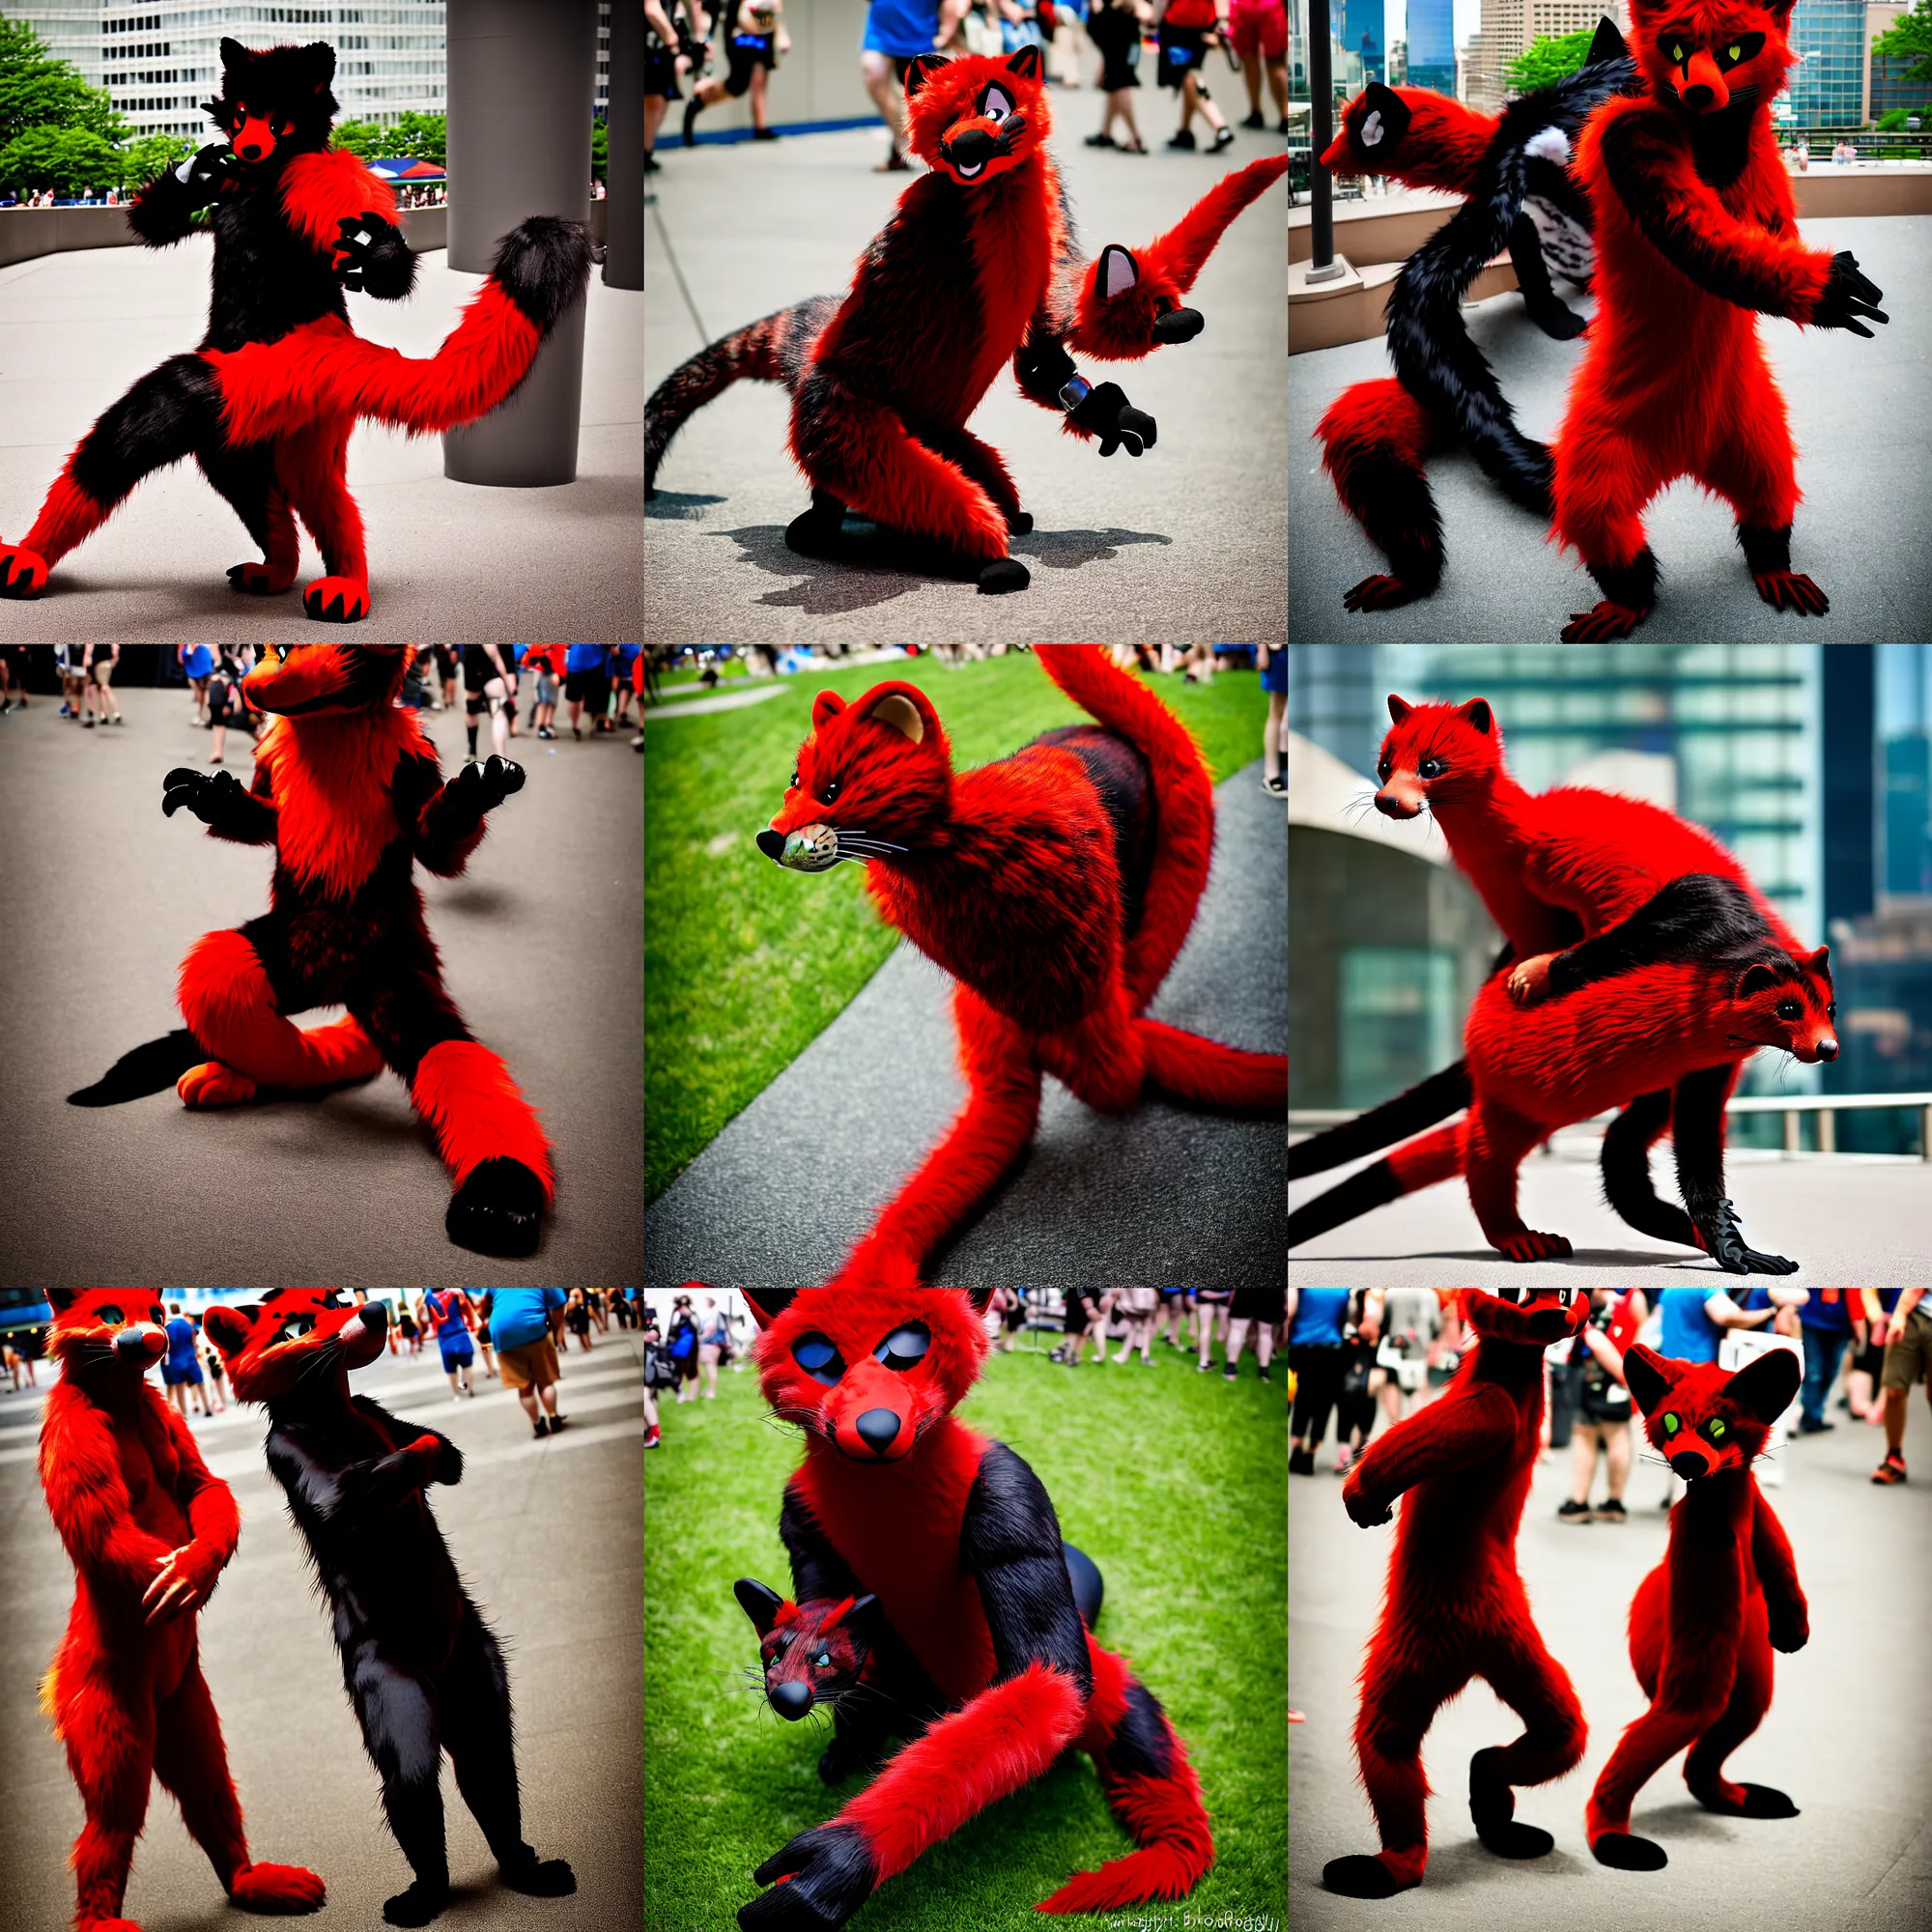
(624, 257)
(522, 86)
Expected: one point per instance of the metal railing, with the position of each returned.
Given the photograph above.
(1827, 1107)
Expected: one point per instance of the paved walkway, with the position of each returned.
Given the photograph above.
(1867, 491)
(106, 895)
(1159, 1195)
(1846, 1218)
(446, 560)
(1184, 545)
(1846, 1735)
(548, 1539)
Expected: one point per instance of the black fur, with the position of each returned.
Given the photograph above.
(152, 1067)
(544, 266)
(1373, 1187)
(1421, 1106)
(835, 1877)
(1123, 778)
(172, 412)
(1633, 584)
(1700, 920)
(1765, 550)
(1142, 1747)
(421, 1667)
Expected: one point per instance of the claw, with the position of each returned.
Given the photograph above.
(1378, 594)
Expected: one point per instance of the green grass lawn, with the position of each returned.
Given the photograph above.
(1173, 1482)
(746, 964)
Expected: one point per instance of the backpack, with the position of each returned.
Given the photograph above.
(682, 1338)
(660, 1369)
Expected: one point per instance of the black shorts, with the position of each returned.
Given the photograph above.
(445, 659)
(1259, 1304)
(1594, 1404)
(661, 70)
(748, 51)
(1074, 1322)
(1183, 51)
(587, 687)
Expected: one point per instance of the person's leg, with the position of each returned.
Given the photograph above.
(1274, 735)
(547, 1395)
(654, 114)
(1237, 1336)
(1210, 113)
(1583, 1463)
(220, 742)
(498, 693)
(1264, 1347)
(1617, 1454)
(760, 120)
(882, 84)
(528, 1395)
(1251, 79)
(1277, 73)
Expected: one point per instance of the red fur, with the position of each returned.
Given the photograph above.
(1704, 1622)
(1443, 148)
(895, 1519)
(477, 1112)
(1455, 1605)
(1673, 380)
(67, 516)
(1010, 881)
(127, 1488)
(321, 191)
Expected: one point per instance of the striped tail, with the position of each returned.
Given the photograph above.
(1375, 435)
(1183, 800)
(1421, 1106)
(769, 350)
(1422, 1163)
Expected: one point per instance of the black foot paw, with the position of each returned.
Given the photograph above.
(817, 534)
(1492, 1808)
(1757, 1800)
(498, 1211)
(1359, 1877)
(539, 1878)
(416, 1906)
(1019, 524)
(1380, 592)
(1718, 1236)
(1560, 322)
(1625, 1853)
(1004, 574)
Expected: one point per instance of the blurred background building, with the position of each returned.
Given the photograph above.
(1812, 763)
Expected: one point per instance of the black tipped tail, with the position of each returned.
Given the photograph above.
(1373, 1187)
(543, 266)
(1421, 1106)
(149, 1069)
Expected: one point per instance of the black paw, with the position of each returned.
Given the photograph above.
(1759, 1801)
(1004, 574)
(416, 1906)
(539, 1878)
(1106, 412)
(1019, 524)
(1847, 296)
(1625, 1853)
(498, 1211)
(209, 797)
(1492, 1808)
(817, 1882)
(1788, 1634)
(488, 782)
(1560, 322)
(1359, 1877)
(815, 535)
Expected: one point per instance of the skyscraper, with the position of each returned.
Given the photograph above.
(1358, 31)
(1432, 44)
(69, 28)
(1828, 85)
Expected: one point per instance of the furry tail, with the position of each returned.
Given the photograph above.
(270, 388)
(1152, 1789)
(764, 351)
(1421, 1164)
(1184, 796)
(1422, 1106)
(1375, 437)
(1116, 316)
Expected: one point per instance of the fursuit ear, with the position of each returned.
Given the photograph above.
(1606, 44)
(863, 1615)
(1765, 1385)
(1477, 715)
(827, 704)
(234, 55)
(905, 708)
(768, 1303)
(1754, 980)
(1649, 1378)
(1026, 63)
(318, 58)
(1383, 119)
(759, 1603)
(1118, 271)
(61, 1299)
(920, 72)
(1820, 963)
(229, 1327)
(1399, 708)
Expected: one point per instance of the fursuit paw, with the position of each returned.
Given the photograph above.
(214, 1085)
(1019, 522)
(276, 1888)
(538, 1878)
(1001, 575)
(1365, 1511)
(1788, 1629)
(1744, 1800)
(1104, 412)
(1493, 1809)
(1624, 1852)
(1790, 591)
(417, 1906)
(498, 1211)
(24, 572)
(1531, 1246)
(336, 600)
(1847, 296)
(1360, 1877)
(1718, 1236)
(1560, 322)
(1380, 592)
(258, 580)
(817, 1882)
(817, 535)
(1603, 622)
(1530, 980)
(486, 782)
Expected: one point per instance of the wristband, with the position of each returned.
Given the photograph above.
(1074, 392)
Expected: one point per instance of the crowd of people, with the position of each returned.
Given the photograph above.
(742, 42)
(1365, 1355)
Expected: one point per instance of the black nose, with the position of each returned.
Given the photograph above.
(1827, 1049)
(251, 153)
(1697, 99)
(771, 844)
(877, 1427)
(792, 1699)
(1689, 1465)
(974, 145)
(131, 1345)
(376, 1314)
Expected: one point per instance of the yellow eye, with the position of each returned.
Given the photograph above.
(1671, 1424)
(1736, 53)
(1677, 51)
(1717, 1431)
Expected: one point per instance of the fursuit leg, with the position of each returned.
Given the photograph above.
(247, 478)
(1375, 437)
(1750, 1699)
(110, 1749)
(400, 1732)
(1495, 1142)
(1604, 480)
(1750, 466)
(313, 472)
(1531, 1682)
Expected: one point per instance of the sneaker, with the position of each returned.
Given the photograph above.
(1807, 1427)
(1281, 125)
(1184, 140)
(1611, 1511)
(557, 1422)
(1261, 1374)
(1253, 119)
(1576, 1512)
(1892, 1468)
(1225, 138)
(764, 133)
(87, 724)
(540, 1428)
(1229, 1374)
(1277, 784)
(1101, 141)
(651, 1440)
(1301, 1462)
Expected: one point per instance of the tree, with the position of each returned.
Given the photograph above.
(362, 138)
(1548, 60)
(143, 159)
(419, 137)
(67, 159)
(1909, 38)
(38, 91)
(600, 150)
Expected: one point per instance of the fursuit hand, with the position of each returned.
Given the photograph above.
(817, 1882)
(1106, 412)
(182, 1582)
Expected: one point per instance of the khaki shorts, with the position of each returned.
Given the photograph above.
(534, 1363)
(1908, 1360)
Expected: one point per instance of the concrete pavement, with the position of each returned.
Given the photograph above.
(1184, 544)
(104, 897)
(547, 1536)
(446, 560)
(1845, 1735)
(1846, 1217)
(1158, 1194)
(1859, 532)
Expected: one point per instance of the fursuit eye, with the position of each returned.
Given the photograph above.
(1789, 1009)
(1371, 130)
(154, 1314)
(1430, 768)
(905, 1347)
(1671, 1424)
(818, 1358)
(831, 791)
(1736, 53)
(1677, 51)
(1383, 769)
(109, 1313)
(296, 1328)
(1831, 1012)
(823, 1660)
(1715, 1431)
(793, 786)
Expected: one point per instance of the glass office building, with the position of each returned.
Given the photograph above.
(1357, 27)
(1827, 84)
(1432, 44)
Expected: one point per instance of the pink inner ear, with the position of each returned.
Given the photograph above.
(1119, 275)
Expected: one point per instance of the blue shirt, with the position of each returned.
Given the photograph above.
(1318, 1314)
(1834, 1318)
(180, 1342)
(1690, 1335)
(586, 656)
(444, 1307)
(520, 1316)
(901, 28)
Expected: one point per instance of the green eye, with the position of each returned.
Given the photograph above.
(1671, 1424)
(1717, 1431)
(1736, 53)
(1677, 51)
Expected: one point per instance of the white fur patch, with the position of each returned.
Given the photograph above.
(1550, 144)
(1567, 247)
(1370, 130)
